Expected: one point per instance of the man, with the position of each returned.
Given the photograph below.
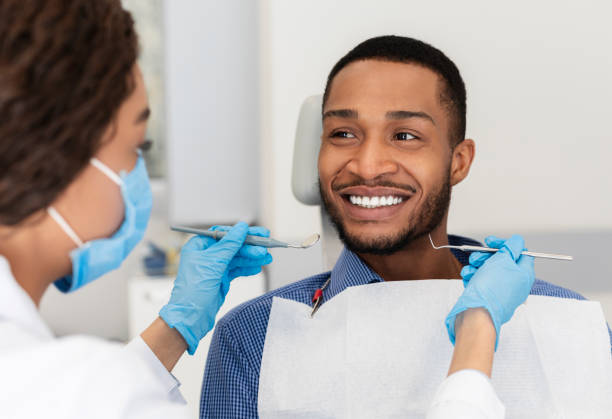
(393, 146)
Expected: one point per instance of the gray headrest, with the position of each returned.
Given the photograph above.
(305, 176)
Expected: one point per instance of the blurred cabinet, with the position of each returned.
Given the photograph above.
(146, 298)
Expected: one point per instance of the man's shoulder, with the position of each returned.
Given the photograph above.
(551, 290)
(257, 310)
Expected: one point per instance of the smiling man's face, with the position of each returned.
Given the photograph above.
(386, 160)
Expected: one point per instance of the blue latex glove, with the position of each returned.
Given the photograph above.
(206, 269)
(499, 282)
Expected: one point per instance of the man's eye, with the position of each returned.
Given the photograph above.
(404, 136)
(342, 134)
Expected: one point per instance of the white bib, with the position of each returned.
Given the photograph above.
(381, 350)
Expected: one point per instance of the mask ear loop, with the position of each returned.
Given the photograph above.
(64, 226)
(62, 222)
(106, 170)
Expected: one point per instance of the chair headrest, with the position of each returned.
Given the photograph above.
(305, 175)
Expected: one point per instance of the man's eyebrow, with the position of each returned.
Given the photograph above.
(409, 114)
(143, 116)
(341, 113)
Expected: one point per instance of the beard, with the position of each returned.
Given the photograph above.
(422, 221)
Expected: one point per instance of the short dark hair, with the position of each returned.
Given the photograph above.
(65, 69)
(408, 50)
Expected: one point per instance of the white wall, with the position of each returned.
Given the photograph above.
(539, 81)
(212, 119)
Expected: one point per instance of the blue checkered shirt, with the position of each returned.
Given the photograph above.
(231, 378)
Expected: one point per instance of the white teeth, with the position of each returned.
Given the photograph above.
(374, 201)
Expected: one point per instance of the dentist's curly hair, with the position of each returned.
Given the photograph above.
(65, 69)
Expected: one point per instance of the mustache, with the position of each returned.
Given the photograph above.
(373, 184)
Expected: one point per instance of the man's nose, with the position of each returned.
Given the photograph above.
(372, 159)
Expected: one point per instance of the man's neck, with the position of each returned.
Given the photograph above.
(418, 260)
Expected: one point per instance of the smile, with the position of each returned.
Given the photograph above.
(375, 201)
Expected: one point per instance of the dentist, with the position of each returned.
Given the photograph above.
(74, 201)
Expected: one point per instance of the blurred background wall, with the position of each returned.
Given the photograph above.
(539, 83)
(226, 80)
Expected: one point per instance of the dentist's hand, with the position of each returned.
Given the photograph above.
(205, 271)
(498, 282)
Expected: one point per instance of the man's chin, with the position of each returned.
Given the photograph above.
(385, 238)
(376, 245)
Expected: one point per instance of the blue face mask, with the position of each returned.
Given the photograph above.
(93, 259)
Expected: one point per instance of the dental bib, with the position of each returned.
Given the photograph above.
(381, 351)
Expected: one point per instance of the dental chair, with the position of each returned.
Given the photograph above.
(305, 176)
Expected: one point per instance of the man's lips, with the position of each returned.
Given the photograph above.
(373, 203)
(375, 191)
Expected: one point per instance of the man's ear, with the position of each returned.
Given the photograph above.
(463, 155)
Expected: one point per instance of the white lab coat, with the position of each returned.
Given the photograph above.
(75, 377)
(466, 394)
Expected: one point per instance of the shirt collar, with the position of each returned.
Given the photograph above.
(16, 305)
(351, 271)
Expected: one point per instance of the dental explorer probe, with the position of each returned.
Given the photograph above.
(468, 248)
(251, 239)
